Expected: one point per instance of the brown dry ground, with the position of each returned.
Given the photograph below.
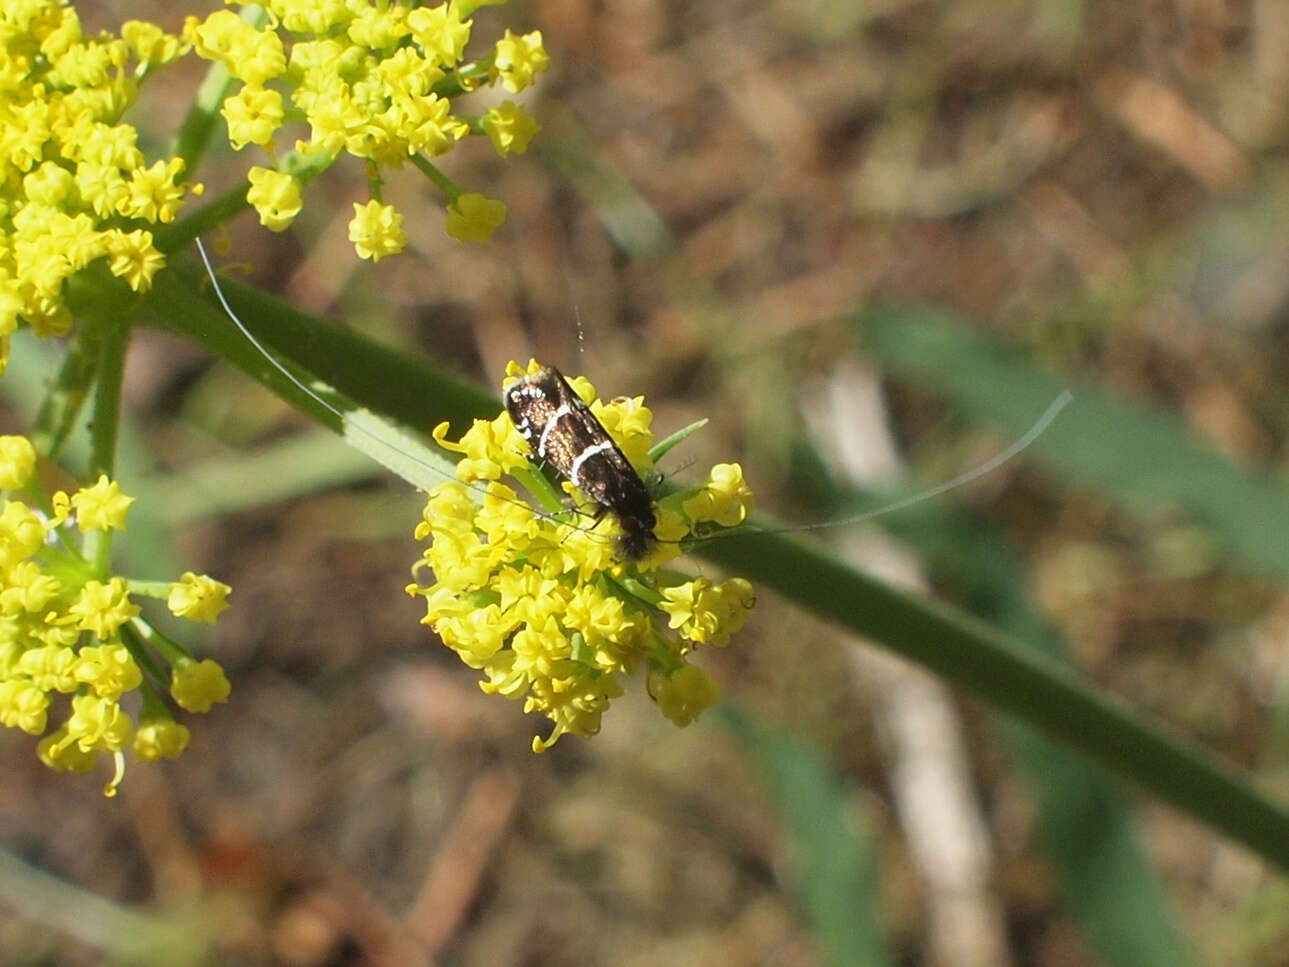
(717, 187)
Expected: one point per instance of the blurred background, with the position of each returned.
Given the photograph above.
(852, 236)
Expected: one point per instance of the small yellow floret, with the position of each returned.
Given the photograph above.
(441, 32)
(108, 670)
(250, 54)
(198, 597)
(253, 116)
(197, 685)
(102, 506)
(22, 533)
(134, 257)
(58, 751)
(684, 693)
(510, 128)
(275, 196)
(17, 462)
(725, 498)
(160, 739)
(103, 608)
(377, 230)
(474, 217)
(98, 724)
(519, 59)
(23, 705)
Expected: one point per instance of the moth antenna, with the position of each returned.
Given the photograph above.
(250, 337)
(572, 299)
(335, 411)
(1018, 446)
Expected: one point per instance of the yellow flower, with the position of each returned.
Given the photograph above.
(707, 613)
(65, 628)
(76, 187)
(311, 16)
(102, 506)
(17, 461)
(198, 597)
(376, 230)
(276, 196)
(473, 218)
(250, 54)
(509, 127)
(519, 59)
(149, 44)
(153, 195)
(58, 752)
(108, 670)
(27, 589)
(162, 738)
(98, 724)
(376, 81)
(134, 257)
(103, 608)
(253, 115)
(683, 693)
(540, 603)
(51, 667)
(490, 447)
(23, 706)
(378, 28)
(725, 498)
(198, 685)
(22, 533)
(440, 31)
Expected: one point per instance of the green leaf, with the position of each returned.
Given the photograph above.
(398, 452)
(387, 380)
(1134, 453)
(303, 463)
(836, 886)
(660, 449)
(1086, 829)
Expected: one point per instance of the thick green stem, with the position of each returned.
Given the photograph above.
(1017, 679)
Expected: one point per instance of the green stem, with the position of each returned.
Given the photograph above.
(114, 340)
(195, 133)
(166, 647)
(210, 216)
(450, 189)
(135, 635)
(150, 589)
(62, 404)
(1017, 679)
(458, 82)
(112, 344)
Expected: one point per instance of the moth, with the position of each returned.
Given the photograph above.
(564, 432)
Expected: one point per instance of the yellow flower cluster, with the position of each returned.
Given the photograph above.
(539, 602)
(77, 187)
(72, 642)
(372, 79)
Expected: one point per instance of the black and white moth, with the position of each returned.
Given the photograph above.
(564, 432)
